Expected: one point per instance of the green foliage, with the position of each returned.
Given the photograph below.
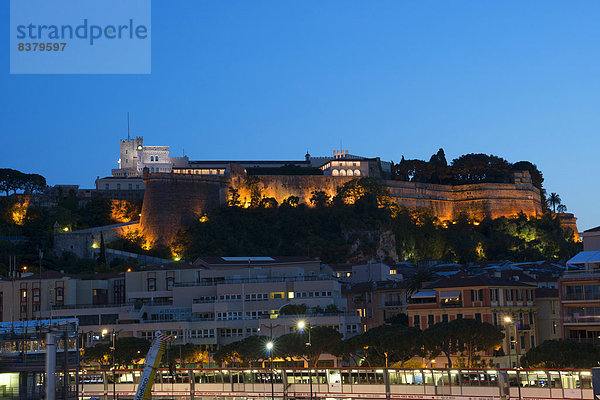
(13, 180)
(294, 309)
(466, 169)
(294, 345)
(398, 319)
(562, 354)
(234, 198)
(474, 336)
(383, 345)
(319, 199)
(244, 352)
(187, 353)
(127, 351)
(554, 201)
(329, 230)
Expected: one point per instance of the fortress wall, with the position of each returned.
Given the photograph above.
(172, 200)
(283, 186)
(476, 200)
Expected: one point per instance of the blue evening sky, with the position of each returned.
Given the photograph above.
(272, 79)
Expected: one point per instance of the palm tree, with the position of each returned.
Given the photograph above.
(554, 201)
(561, 208)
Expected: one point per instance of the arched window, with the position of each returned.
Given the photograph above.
(342, 172)
(156, 158)
(356, 172)
(151, 158)
(335, 172)
(349, 173)
(152, 169)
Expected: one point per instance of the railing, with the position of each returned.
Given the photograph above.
(582, 319)
(78, 306)
(581, 296)
(258, 280)
(394, 303)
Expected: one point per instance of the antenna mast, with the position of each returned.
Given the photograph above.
(128, 126)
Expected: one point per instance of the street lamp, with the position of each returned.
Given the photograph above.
(113, 348)
(301, 326)
(508, 322)
(270, 351)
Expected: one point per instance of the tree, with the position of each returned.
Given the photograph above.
(398, 319)
(130, 350)
(554, 201)
(475, 336)
(294, 309)
(562, 354)
(234, 198)
(386, 344)
(268, 202)
(366, 190)
(561, 208)
(33, 183)
(294, 345)
(187, 353)
(416, 279)
(476, 168)
(99, 353)
(246, 351)
(102, 256)
(253, 185)
(319, 199)
(442, 338)
(291, 202)
(11, 180)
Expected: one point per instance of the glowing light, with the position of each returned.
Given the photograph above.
(177, 258)
(269, 346)
(507, 319)
(18, 211)
(203, 218)
(475, 223)
(301, 325)
(24, 267)
(128, 269)
(95, 245)
(66, 229)
(104, 332)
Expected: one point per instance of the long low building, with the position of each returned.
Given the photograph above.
(214, 302)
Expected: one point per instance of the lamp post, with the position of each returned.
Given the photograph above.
(270, 351)
(508, 322)
(114, 333)
(301, 326)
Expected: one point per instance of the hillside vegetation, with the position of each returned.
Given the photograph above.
(360, 223)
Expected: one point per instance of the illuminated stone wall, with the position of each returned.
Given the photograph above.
(173, 200)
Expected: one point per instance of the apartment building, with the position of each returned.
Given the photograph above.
(548, 314)
(376, 302)
(493, 298)
(211, 303)
(579, 294)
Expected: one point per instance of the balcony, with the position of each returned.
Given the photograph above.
(393, 303)
(582, 319)
(581, 297)
(238, 281)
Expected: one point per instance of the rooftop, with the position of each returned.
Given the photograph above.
(464, 280)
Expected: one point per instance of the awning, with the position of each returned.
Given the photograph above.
(423, 294)
(451, 294)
